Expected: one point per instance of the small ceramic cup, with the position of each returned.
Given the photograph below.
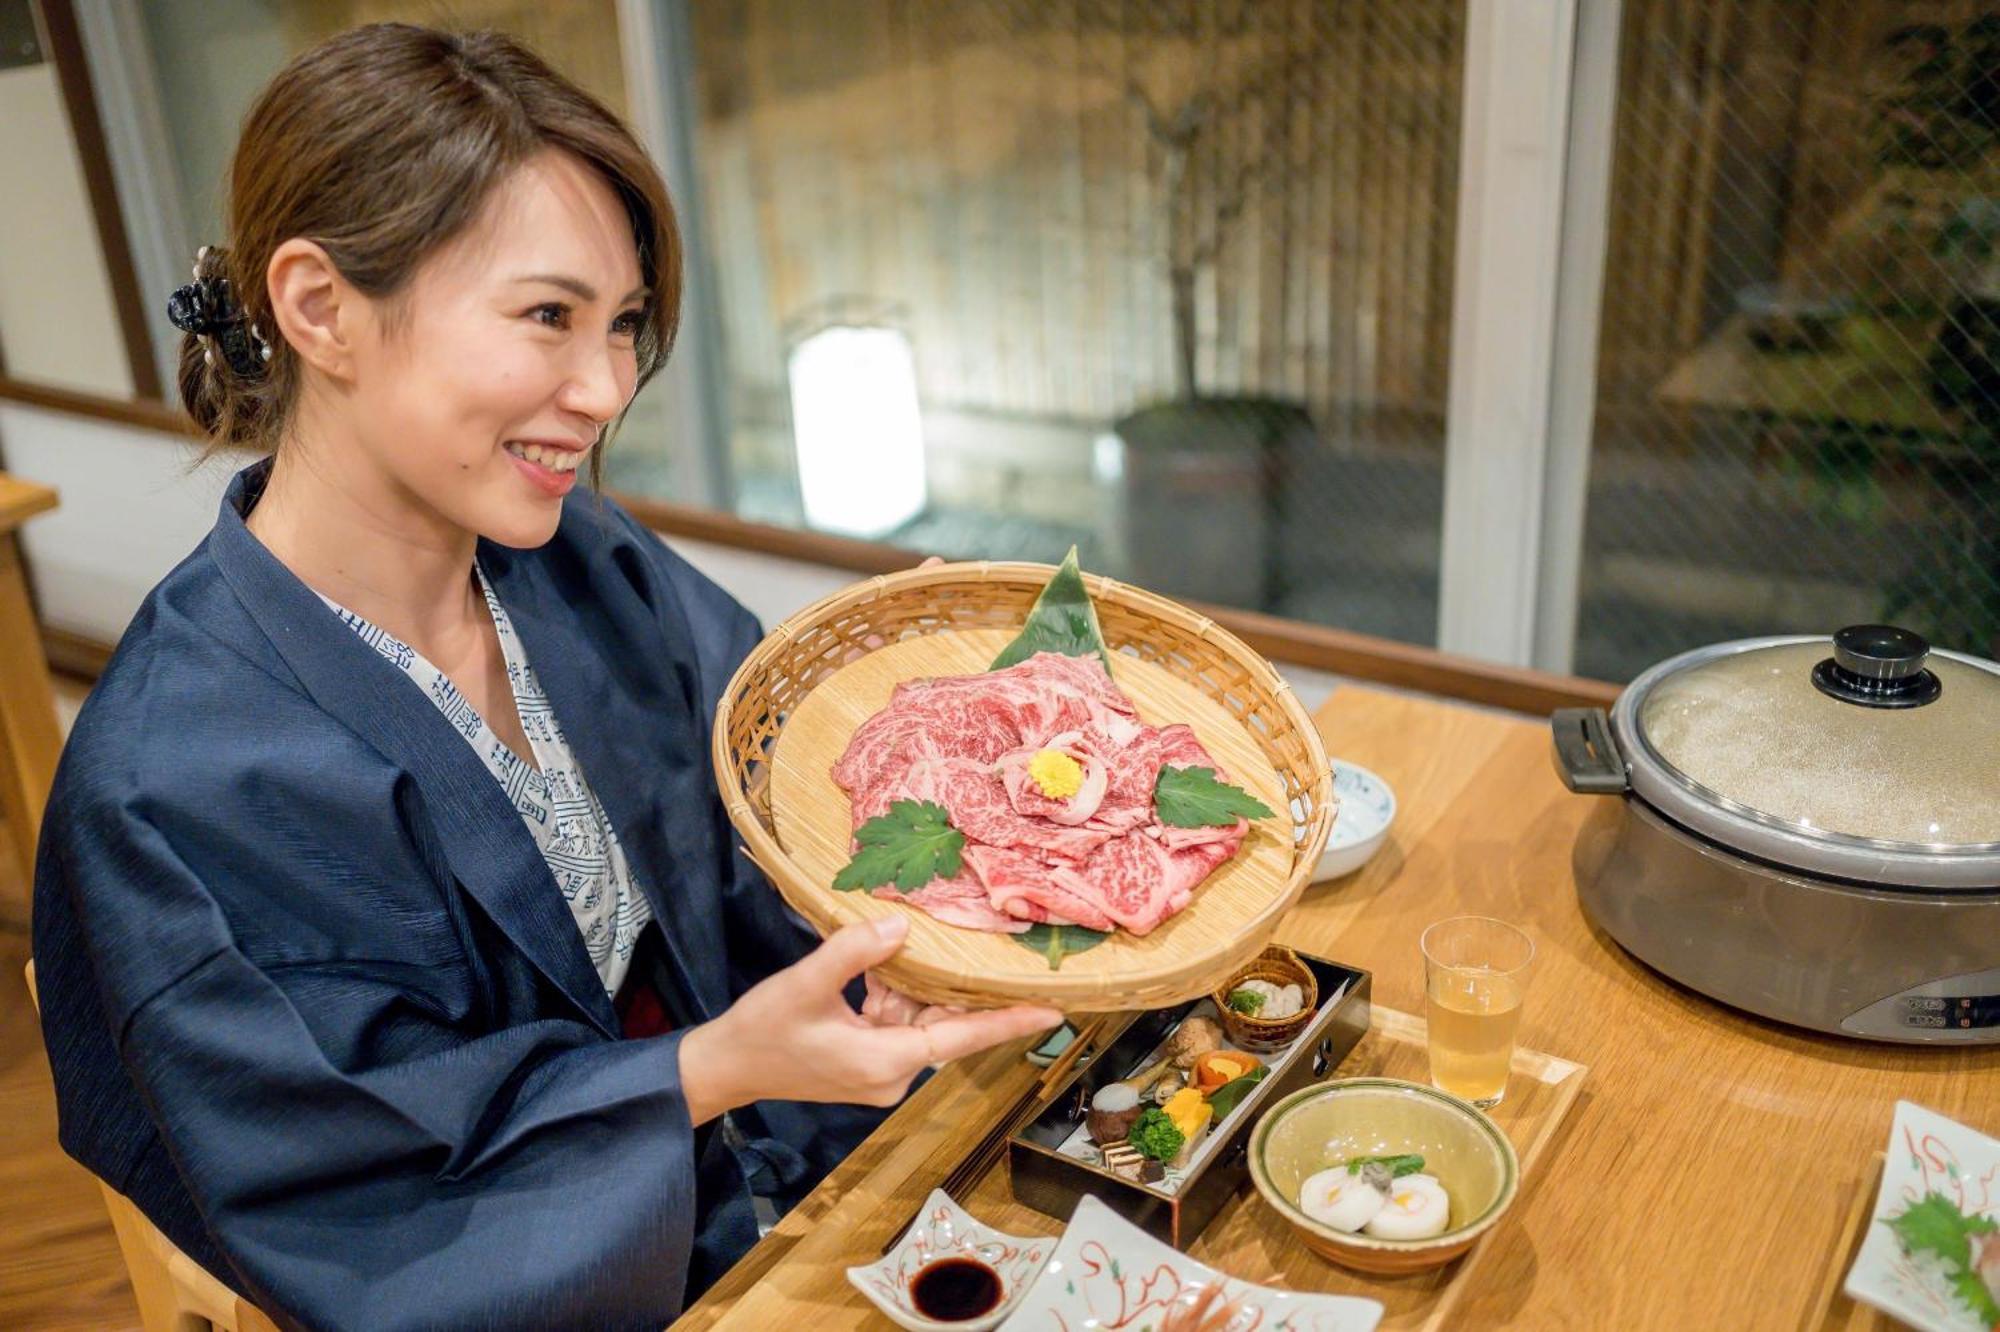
(1367, 808)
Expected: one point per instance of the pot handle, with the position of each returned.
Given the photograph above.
(1587, 758)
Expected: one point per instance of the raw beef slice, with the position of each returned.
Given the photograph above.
(1099, 858)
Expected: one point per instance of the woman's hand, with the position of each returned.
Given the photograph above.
(793, 1037)
(885, 1007)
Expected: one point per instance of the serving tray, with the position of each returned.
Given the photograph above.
(1248, 1240)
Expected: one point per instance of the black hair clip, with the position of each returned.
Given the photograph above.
(207, 308)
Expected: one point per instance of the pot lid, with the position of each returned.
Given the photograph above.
(1864, 754)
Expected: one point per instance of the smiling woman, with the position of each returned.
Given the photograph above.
(395, 958)
(542, 199)
(498, 354)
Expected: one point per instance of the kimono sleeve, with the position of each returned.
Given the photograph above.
(537, 1176)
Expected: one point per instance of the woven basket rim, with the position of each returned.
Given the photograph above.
(1307, 775)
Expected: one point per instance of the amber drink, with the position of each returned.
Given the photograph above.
(1475, 976)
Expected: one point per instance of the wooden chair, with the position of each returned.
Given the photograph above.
(175, 1293)
(30, 738)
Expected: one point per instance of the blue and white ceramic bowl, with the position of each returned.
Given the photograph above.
(1367, 808)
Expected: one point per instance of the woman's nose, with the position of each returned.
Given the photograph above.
(595, 388)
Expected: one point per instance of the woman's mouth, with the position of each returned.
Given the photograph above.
(551, 468)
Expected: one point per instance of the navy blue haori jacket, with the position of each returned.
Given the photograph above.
(313, 999)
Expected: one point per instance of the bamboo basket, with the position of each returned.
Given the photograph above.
(1280, 966)
(790, 709)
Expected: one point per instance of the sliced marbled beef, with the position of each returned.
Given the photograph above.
(1099, 858)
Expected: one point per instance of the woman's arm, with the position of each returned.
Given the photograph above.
(794, 1037)
(535, 1176)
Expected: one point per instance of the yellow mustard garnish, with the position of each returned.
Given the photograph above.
(1057, 774)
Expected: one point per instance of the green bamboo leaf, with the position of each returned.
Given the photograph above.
(1055, 942)
(1062, 620)
(1229, 1094)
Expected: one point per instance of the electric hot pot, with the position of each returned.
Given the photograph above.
(1805, 830)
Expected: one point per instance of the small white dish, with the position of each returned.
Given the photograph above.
(1927, 1155)
(1107, 1273)
(1367, 808)
(945, 1230)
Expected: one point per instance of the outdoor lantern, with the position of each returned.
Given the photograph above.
(858, 433)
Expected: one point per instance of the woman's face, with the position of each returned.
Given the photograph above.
(481, 391)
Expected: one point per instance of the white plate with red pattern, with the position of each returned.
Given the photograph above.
(1107, 1274)
(1933, 1246)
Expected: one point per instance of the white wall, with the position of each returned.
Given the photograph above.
(58, 324)
(132, 506)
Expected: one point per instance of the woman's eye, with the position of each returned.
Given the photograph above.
(629, 323)
(558, 312)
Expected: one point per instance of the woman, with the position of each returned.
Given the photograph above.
(395, 954)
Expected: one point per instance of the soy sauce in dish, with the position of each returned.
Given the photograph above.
(951, 1290)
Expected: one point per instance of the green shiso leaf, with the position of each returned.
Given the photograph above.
(1192, 798)
(1936, 1226)
(909, 846)
(1062, 621)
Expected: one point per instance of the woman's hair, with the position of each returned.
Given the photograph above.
(381, 145)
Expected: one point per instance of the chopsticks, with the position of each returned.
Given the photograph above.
(986, 1153)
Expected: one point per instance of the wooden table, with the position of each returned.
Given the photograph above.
(30, 738)
(1705, 1179)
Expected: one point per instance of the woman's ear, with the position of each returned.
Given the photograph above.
(315, 308)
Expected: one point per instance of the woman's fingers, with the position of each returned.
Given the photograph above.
(936, 1013)
(851, 950)
(888, 1008)
(961, 1034)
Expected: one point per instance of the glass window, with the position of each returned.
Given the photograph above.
(1798, 415)
(1169, 281)
(212, 57)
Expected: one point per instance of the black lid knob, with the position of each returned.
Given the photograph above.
(1878, 665)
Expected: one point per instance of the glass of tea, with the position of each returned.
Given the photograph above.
(1475, 974)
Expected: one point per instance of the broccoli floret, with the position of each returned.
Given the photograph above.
(1154, 1135)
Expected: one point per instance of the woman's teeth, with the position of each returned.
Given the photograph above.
(556, 460)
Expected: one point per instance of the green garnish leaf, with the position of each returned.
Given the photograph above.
(1155, 1135)
(1246, 1001)
(909, 846)
(1062, 620)
(1055, 942)
(1936, 1226)
(1192, 798)
(1231, 1093)
(1399, 1166)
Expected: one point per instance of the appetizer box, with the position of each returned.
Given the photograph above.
(1054, 1160)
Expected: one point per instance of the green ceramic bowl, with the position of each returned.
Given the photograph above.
(1325, 1124)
